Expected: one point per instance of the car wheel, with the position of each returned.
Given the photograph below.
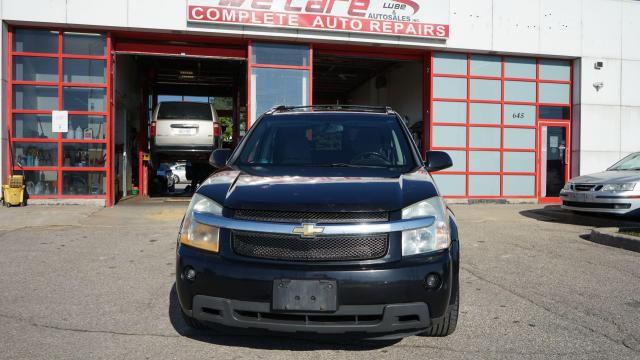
(176, 179)
(191, 322)
(445, 325)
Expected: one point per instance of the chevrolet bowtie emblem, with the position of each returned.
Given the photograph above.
(308, 230)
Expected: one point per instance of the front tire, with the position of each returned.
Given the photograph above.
(445, 325)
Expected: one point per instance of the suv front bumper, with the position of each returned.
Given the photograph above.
(375, 299)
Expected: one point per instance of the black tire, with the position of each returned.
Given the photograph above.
(191, 322)
(445, 325)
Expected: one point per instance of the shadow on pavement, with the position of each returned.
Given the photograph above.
(554, 213)
(256, 339)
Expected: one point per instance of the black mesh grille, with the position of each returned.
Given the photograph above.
(322, 248)
(313, 217)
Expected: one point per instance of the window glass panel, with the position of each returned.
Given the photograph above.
(484, 185)
(449, 88)
(482, 113)
(31, 97)
(450, 136)
(84, 183)
(484, 137)
(554, 93)
(35, 154)
(32, 126)
(84, 71)
(485, 89)
(35, 69)
(83, 155)
(278, 87)
(84, 44)
(451, 185)
(555, 112)
(450, 63)
(36, 41)
(516, 67)
(520, 91)
(84, 99)
(514, 185)
(519, 114)
(486, 65)
(459, 158)
(87, 127)
(453, 112)
(484, 161)
(280, 54)
(555, 70)
(519, 161)
(40, 183)
(519, 138)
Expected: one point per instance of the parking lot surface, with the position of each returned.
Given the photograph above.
(86, 282)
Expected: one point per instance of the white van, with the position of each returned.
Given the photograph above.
(184, 130)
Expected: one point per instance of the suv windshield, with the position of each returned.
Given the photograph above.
(631, 162)
(328, 140)
(185, 110)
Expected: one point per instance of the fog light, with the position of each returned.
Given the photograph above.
(190, 274)
(432, 281)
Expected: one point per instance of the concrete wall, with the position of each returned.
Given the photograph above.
(607, 120)
(402, 92)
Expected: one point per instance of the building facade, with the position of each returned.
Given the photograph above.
(522, 94)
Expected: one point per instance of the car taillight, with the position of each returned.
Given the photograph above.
(153, 129)
(216, 130)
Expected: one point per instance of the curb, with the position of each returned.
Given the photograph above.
(612, 237)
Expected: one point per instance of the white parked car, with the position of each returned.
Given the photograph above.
(184, 131)
(179, 173)
(616, 190)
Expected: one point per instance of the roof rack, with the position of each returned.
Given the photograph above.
(333, 107)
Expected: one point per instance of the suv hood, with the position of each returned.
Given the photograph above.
(239, 190)
(615, 177)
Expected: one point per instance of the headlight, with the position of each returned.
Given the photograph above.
(432, 238)
(567, 186)
(619, 187)
(199, 235)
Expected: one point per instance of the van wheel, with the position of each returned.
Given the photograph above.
(191, 322)
(445, 325)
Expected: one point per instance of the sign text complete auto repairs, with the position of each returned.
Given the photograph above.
(392, 17)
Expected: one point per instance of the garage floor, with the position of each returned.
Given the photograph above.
(88, 282)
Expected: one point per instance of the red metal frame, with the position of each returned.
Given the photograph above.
(251, 65)
(502, 126)
(539, 164)
(60, 140)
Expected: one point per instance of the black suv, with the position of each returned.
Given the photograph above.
(323, 220)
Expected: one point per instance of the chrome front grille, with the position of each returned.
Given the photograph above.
(587, 187)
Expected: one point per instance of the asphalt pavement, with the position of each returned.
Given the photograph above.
(93, 283)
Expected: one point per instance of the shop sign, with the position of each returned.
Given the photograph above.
(417, 18)
(59, 121)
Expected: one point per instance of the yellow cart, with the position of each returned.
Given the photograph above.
(13, 194)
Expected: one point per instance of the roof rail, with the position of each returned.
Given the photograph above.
(333, 107)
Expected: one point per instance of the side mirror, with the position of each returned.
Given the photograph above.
(219, 157)
(438, 160)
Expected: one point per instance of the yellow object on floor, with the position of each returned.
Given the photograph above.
(13, 194)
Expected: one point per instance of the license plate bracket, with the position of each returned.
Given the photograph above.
(185, 131)
(305, 295)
